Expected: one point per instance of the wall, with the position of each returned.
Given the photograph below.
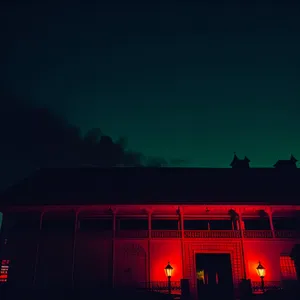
(130, 259)
(1, 218)
(162, 252)
(20, 248)
(268, 253)
(93, 260)
(54, 267)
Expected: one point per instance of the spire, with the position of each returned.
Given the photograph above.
(239, 163)
(289, 163)
(293, 159)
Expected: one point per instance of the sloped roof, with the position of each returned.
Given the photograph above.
(155, 185)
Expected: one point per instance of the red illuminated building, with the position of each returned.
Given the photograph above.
(121, 226)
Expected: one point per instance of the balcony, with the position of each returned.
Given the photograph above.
(287, 234)
(165, 234)
(202, 234)
(134, 234)
(258, 234)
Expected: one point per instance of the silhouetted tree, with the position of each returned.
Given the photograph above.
(33, 137)
(156, 162)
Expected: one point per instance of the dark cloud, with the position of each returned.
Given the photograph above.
(34, 137)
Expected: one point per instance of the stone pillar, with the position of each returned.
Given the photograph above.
(181, 222)
(241, 226)
(74, 246)
(149, 222)
(238, 225)
(114, 217)
(149, 246)
(182, 241)
(270, 213)
(39, 236)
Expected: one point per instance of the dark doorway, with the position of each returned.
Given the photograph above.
(214, 276)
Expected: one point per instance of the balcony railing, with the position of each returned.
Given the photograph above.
(166, 234)
(258, 234)
(287, 234)
(202, 234)
(135, 234)
(269, 286)
(162, 286)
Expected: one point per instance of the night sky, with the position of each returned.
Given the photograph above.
(188, 80)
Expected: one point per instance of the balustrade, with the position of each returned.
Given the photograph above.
(268, 286)
(136, 234)
(258, 234)
(287, 234)
(161, 286)
(201, 234)
(212, 234)
(166, 234)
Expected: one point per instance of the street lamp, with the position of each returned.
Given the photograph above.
(261, 272)
(169, 272)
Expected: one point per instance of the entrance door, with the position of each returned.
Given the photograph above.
(214, 276)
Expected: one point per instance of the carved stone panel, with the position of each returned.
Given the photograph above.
(231, 247)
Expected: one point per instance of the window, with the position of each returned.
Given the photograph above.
(96, 224)
(286, 223)
(287, 268)
(257, 224)
(58, 225)
(133, 224)
(164, 224)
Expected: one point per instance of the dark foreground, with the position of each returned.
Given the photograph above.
(8, 293)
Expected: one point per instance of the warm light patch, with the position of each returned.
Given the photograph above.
(287, 268)
(161, 254)
(200, 275)
(261, 271)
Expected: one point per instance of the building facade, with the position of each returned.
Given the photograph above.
(128, 239)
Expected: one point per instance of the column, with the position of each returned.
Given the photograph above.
(238, 224)
(149, 246)
(74, 246)
(270, 213)
(113, 246)
(38, 248)
(241, 226)
(149, 222)
(182, 240)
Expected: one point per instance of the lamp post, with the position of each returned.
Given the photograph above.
(261, 272)
(169, 272)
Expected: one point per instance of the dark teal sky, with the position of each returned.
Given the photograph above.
(195, 80)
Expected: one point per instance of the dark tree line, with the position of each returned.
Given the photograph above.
(34, 137)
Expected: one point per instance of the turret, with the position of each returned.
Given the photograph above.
(289, 163)
(238, 163)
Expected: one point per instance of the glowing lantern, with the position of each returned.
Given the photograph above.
(169, 270)
(261, 271)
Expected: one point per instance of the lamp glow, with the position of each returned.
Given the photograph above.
(169, 270)
(261, 271)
